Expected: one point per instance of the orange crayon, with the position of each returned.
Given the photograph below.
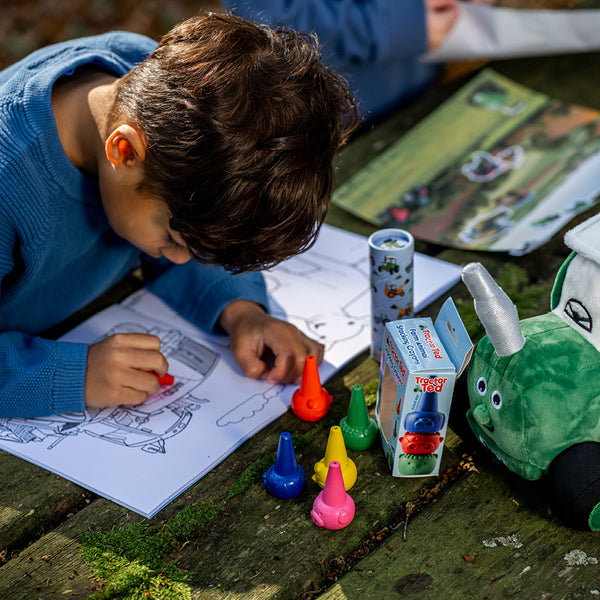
(311, 401)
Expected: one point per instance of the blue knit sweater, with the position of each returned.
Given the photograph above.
(57, 250)
(376, 44)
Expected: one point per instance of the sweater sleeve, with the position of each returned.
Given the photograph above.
(199, 293)
(40, 377)
(356, 31)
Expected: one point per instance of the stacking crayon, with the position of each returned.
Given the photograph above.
(358, 428)
(335, 451)
(333, 508)
(310, 402)
(286, 478)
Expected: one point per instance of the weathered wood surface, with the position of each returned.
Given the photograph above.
(262, 547)
(486, 538)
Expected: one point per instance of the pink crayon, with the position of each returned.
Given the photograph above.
(333, 508)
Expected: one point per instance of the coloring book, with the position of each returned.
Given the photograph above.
(144, 456)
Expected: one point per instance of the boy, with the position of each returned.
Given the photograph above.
(212, 151)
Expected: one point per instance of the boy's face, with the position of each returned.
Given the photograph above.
(133, 213)
(143, 221)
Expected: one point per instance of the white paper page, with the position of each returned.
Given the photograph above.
(142, 457)
(487, 32)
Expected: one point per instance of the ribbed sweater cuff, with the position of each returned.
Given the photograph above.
(69, 378)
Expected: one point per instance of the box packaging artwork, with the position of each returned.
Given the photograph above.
(420, 363)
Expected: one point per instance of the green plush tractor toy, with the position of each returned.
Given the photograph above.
(534, 385)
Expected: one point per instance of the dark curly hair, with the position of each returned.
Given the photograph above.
(241, 124)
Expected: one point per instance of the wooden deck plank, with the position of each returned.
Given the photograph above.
(265, 547)
(52, 566)
(259, 545)
(32, 500)
(488, 537)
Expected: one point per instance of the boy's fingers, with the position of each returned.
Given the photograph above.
(142, 381)
(126, 396)
(316, 349)
(288, 364)
(284, 369)
(117, 369)
(292, 366)
(139, 351)
(143, 341)
(251, 364)
(116, 395)
(148, 360)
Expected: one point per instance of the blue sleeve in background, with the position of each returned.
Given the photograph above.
(376, 44)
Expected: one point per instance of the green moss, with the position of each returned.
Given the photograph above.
(131, 580)
(370, 391)
(136, 560)
(527, 295)
(250, 475)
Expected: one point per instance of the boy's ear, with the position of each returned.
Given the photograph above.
(125, 146)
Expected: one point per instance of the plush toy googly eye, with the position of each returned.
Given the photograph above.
(496, 399)
(481, 386)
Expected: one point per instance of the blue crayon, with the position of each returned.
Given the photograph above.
(286, 478)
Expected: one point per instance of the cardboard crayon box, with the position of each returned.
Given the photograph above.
(420, 363)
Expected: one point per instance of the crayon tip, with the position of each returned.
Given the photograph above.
(166, 379)
(335, 452)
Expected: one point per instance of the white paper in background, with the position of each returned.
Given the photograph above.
(486, 32)
(142, 457)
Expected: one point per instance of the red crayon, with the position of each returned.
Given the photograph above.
(166, 379)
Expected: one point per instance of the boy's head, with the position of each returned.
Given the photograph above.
(240, 124)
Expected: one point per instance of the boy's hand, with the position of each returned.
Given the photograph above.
(117, 370)
(440, 16)
(254, 335)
